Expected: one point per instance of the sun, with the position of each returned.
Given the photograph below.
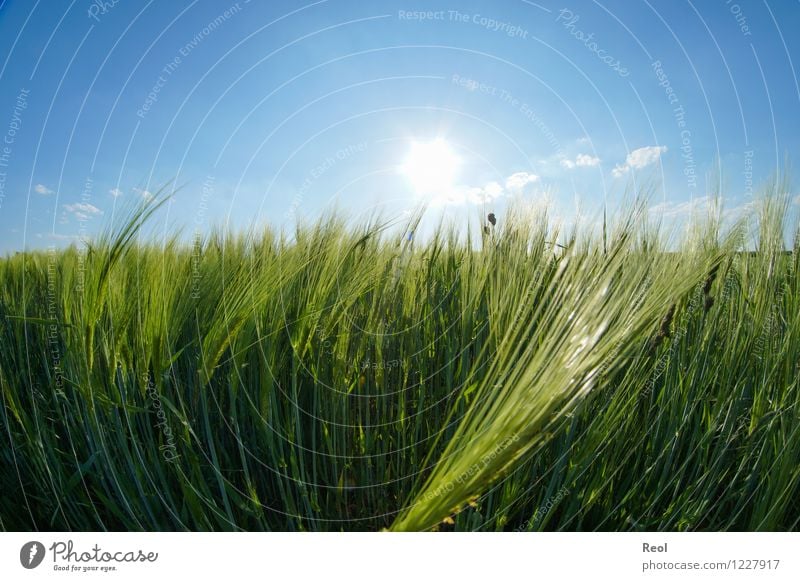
(431, 167)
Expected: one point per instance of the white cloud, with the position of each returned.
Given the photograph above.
(517, 182)
(586, 160)
(144, 193)
(582, 160)
(116, 192)
(42, 189)
(680, 209)
(639, 158)
(82, 211)
(705, 207)
(493, 190)
(796, 201)
(645, 156)
(471, 195)
(741, 211)
(54, 236)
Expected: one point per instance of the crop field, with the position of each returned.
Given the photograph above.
(349, 376)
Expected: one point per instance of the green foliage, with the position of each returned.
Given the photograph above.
(340, 380)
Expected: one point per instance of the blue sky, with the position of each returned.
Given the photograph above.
(269, 112)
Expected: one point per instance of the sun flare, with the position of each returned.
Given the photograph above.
(431, 167)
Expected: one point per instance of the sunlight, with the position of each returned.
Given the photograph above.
(431, 166)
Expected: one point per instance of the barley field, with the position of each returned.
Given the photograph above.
(349, 376)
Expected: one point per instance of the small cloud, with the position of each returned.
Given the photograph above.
(492, 190)
(582, 160)
(639, 158)
(82, 211)
(42, 189)
(586, 160)
(471, 195)
(796, 200)
(116, 192)
(517, 182)
(741, 211)
(145, 194)
(706, 206)
(583, 140)
(645, 156)
(702, 204)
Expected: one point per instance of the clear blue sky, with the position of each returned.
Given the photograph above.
(271, 111)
